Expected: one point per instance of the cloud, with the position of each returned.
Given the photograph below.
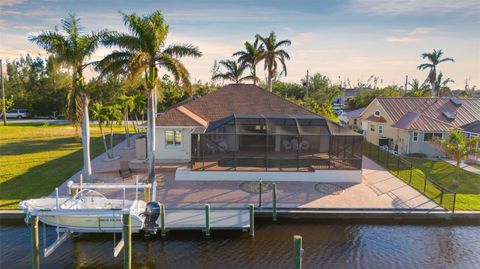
(409, 7)
(8, 3)
(415, 35)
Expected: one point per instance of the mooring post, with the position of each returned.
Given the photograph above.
(35, 242)
(274, 201)
(146, 192)
(411, 171)
(163, 227)
(252, 221)
(207, 220)
(297, 252)
(127, 239)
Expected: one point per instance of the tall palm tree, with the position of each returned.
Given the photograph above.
(72, 48)
(434, 58)
(271, 54)
(143, 51)
(234, 72)
(250, 57)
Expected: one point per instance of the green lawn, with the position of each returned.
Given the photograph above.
(440, 172)
(35, 158)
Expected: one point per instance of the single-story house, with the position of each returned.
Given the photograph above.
(411, 125)
(352, 118)
(243, 132)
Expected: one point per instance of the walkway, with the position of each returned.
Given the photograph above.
(465, 167)
(379, 190)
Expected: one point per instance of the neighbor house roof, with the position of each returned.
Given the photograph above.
(354, 113)
(473, 127)
(431, 114)
(376, 118)
(226, 101)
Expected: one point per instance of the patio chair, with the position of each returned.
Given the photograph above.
(125, 170)
(304, 145)
(295, 144)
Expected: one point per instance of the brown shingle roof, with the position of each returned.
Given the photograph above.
(429, 112)
(174, 117)
(233, 99)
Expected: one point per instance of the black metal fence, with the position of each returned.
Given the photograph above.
(405, 170)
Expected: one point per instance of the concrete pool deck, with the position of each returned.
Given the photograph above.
(379, 189)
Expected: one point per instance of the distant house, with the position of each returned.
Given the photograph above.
(243, 132)
(352, 118)
(410, 125)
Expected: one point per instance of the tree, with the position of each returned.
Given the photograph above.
(418, 89)
(250, 57)
(127, 104)
(458, 146)
(442, 86)
(72, 48)
(143, 51)
(99, 113)
(434, 58)
(271, 54)
(234, 72)
(321, 96)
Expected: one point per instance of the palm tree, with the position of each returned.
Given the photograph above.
(271, 54)
(434, 59)
(143, 51)
(442, 85)
(418, 89)
(72, 48)
(234, 72)
(250, 57)
(127, 103)
(458, 146)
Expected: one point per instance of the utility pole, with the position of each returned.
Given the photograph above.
(406, 84)
(4, 106)
(306, 86)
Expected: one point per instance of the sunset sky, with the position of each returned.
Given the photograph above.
(340, 39)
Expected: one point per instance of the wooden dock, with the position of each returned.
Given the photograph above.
(220, 219)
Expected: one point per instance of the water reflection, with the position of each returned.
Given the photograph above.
(326, 246)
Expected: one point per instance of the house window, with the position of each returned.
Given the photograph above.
(355, 121)
(376, 113)
(372, 128)
(428, 137)
(380, 129)
(415, 137)
(173, 138)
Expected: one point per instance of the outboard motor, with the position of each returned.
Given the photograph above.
(152, 212)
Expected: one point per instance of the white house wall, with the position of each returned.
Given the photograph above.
(326, 176)
(169, 154)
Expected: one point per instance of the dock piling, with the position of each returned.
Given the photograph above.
(127, 239)
(207, 220)
(274, 202)
(35, 242)
(297, 252)
(163, 230)
(147, 194)
(252, 221)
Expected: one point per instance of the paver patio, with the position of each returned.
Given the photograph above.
(379, 189)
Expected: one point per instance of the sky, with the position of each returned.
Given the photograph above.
(341, 39)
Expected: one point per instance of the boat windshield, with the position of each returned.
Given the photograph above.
(86, 199)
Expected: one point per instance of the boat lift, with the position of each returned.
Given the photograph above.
(173, 219)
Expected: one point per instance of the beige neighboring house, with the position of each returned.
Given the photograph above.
(352, 118)
(410, 125)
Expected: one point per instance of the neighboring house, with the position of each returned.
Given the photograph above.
(243, 132)
(352, 118)
(411, 125)
(346, 94)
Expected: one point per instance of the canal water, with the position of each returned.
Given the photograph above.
(327, 245)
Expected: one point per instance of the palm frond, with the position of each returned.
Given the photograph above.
(183, 50)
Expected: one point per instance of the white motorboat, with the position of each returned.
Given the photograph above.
(87, 211)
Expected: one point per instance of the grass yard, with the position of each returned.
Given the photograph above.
(442, 173)
(468, 191)
(35, 158)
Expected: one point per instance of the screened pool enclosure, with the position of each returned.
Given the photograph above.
(275, 143)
